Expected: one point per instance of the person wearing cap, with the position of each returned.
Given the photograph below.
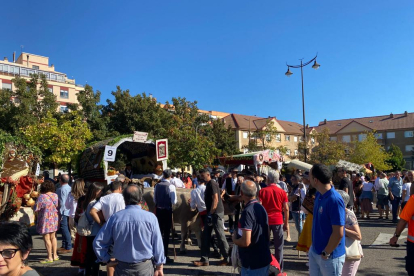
(165, 197)
(216, 175)
(229, 188)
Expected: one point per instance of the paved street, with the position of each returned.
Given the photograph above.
(380, 259)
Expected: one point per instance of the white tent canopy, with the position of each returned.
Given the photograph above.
(349, 166)
(296, 164)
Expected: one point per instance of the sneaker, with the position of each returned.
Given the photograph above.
(200, 263)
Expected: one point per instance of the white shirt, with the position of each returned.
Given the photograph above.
(367, 186)
(173, 193)
(406, 187)
(177, 182)
(71, 204)
(233, 184)
(197, 198)
(110, 204)
(377, 184)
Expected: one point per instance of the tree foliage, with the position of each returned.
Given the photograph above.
(262, 138)
(395, 158)
(369, 151)
(327, 151)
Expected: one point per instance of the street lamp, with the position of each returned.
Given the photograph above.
(288, 74)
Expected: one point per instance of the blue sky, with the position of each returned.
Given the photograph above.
(229, 55)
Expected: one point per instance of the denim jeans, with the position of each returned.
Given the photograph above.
(321, 267)
(64, 228)
(264, 271)
(395, 203)
(297, 217)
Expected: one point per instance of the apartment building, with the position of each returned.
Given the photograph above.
(64, 88)
(397, 129)
(289, 134)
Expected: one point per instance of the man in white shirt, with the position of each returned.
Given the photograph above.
(107, 206)
(177, 182)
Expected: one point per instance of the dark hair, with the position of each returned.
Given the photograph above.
(115, 185)
(16, 234)
(322, 173)
(91, 195)
(174, 174)
(297, 177)
(128, 165)
(132, 195)
(367, 178)
(204, 171)
(47, 186)
(358, 175)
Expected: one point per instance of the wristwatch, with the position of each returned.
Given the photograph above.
(325, 254)
(397, 236)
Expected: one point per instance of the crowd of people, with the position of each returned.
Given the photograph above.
(110, 224)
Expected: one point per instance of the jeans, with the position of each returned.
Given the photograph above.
(298, 218)
(64, 228)
(321, 267)
(164, 217)
(278, 241)
(264, 271)
(395, 203)
(221, 238)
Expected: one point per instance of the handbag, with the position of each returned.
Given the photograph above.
(352, 252)
(84, 228)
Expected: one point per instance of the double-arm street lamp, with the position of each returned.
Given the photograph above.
(289, 73)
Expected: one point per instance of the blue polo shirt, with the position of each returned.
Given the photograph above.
(329, 209)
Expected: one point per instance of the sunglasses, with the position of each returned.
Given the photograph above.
(8, 253)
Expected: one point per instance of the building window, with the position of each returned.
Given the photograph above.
(288, 152)
(333, 138)
(408, 134)
(6, 86)
(313, 140)
(409, 148)
(35, 67)
(287, 137)
(346, 138)
(53, 76)
(64, 109)
(295, 139)
(278, 137)
(50, 89)
(64, 94)
(390, 135)
(378, 135)
(268, 137)
(362, 137)
(245, 134)
(296, 152)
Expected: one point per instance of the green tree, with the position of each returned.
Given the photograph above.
(327, 151)
(60, 139)
(223, 137)
(395, 159)
(262, 138)
(369, 151)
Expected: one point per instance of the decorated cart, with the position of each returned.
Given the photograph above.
(102, 161)
(19, 164)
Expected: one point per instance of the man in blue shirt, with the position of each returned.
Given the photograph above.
(63, 193)
(327, 253)
(136, 238)
(395, 192)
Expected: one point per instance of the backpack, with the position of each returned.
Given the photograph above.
(84, 228)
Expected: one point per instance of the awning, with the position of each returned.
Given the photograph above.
(299, 165)
(349, 166)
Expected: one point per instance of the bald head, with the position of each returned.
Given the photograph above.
(64, 178)
(249, 189)
(132, 195)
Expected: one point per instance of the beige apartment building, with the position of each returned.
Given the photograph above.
(289, 134)
(64, 88)
(397, 129)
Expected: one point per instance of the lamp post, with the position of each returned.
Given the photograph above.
(288, 74)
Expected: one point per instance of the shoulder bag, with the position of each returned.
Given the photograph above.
(352, 252)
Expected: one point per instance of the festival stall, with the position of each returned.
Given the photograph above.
(19, 164)
(299, 165)
(102, 161)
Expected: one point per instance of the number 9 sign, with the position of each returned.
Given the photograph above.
(110, 154)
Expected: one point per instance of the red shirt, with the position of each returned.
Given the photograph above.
(273, 198)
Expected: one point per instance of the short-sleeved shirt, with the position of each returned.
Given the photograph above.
(110, 204)
(346, 183)
(254, 219)
(382, 187)
(406, 187)
(367, 186)
(213, 188)
(396, 186)
(273, 198)
(329, 210)
(63, 193)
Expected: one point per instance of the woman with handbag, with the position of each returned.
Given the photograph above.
(353, 238)
(48, 219)
(93, 195)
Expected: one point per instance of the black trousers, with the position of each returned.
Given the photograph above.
(91, 267)
(409, 259)
(164, 217)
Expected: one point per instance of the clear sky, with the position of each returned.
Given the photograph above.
(229, 55)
